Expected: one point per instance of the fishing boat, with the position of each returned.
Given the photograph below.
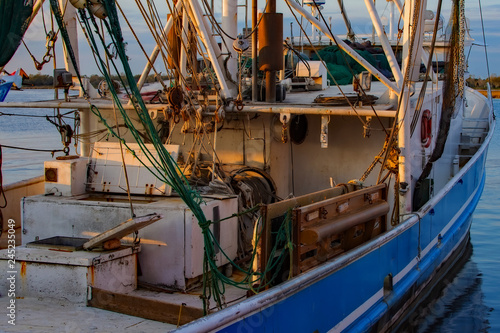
(4, 89)
(15, 78)
(251, 191)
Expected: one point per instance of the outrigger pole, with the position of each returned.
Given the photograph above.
(353, 54)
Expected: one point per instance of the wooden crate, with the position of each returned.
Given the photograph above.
(327, 228)
(324, 224)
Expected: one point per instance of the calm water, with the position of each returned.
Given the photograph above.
(27, 132)
(470, 302)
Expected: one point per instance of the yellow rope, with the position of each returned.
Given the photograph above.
(180, 312)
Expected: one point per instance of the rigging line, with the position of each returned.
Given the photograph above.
(212, 145)
(124, 114)
(156, 16)
(188, 39)
(176, 27)
(416, 14)
(54, 55)
(163, 38)
(385, 9)
(392, 135)
(94, 51)
(159, 41)
(299, 56)
(185, 9)
(185, 37)
(29, 115)
(398, 39)
(420, 100)
(329, 73)
(34, 149)
(124, 166)
(395, 126)
(94, 109)
(200, 52)
(43, 20)
(54, 4)
(140, 44)
(200, 48)
(195, 138)
(374, 163)
(484, 42)
(257, 24)
(199, 134)
(219, 29)
(96, 132)
(203, 134)
(197, 153)
(216, 24)
(350, 68)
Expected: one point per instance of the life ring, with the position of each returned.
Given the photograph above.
(426, 129)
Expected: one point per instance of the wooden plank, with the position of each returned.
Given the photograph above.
(337, 224)
(122, 230)
(281, 207)
(344, 197)
(144, 307)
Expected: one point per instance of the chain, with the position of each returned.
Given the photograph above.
(49, 45)
(390, 164)
(395, 214)
(375, 161)
(284, 133)
(461, 57)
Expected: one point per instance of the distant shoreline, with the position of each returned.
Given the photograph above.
(494, 93)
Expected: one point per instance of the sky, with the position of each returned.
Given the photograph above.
(35, 36)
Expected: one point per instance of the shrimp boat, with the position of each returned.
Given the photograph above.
(247, 190)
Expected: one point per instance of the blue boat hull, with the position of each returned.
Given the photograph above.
(347, 293)
(4, 90)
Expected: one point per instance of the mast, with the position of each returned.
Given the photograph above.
(212, 49)
(255, 92)
(230, 27)
(391, 58)
(353, 54)
(156, 51)
(71, 26)
(350, 32)
(412, 46)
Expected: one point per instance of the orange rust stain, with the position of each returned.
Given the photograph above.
(91, 275)
(23, 269)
